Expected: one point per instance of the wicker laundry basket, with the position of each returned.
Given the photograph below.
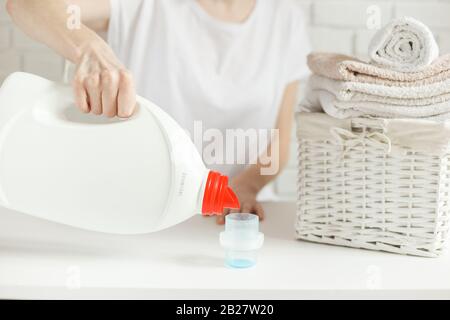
(379, 184)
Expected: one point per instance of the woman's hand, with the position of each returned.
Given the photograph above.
(102, 85)
(246, 194)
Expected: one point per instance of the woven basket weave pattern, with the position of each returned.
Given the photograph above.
(368, 197)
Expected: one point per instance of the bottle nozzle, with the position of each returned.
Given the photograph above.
(231, 201)
(218, 195)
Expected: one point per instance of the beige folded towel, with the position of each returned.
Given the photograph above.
(342, 67)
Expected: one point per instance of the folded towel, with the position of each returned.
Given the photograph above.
(404, 44)
(360, 91)
(321, 100)
(342, 67)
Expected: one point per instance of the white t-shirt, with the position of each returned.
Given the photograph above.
(198, 68)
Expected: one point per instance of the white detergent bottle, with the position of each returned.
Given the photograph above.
(110, 175)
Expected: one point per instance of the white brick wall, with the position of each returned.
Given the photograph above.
(433, 13)
(324, 39)
(3, 14)
(347, 14)
(335, 25)
(5, 37)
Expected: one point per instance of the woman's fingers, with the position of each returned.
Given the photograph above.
(110, 92)
(81, 98)
(259, 211)
(221, 219)
(103, 85)
(126, 100)
(93, 88)
(254, 208)
(110, 87)
(247, 207)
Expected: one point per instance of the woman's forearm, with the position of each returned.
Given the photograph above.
(262, 173)
(46, 21)
(272, 162)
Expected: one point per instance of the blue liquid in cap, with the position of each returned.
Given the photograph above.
(239, 263)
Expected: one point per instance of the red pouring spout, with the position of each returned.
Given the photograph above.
(218, 195)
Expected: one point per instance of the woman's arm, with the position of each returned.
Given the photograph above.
(101, 84)
(253, 179)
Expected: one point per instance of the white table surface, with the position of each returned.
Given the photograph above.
(40, 259)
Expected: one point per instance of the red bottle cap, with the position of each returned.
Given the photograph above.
(218, 195)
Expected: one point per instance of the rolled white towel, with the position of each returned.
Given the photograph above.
(405, 45)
